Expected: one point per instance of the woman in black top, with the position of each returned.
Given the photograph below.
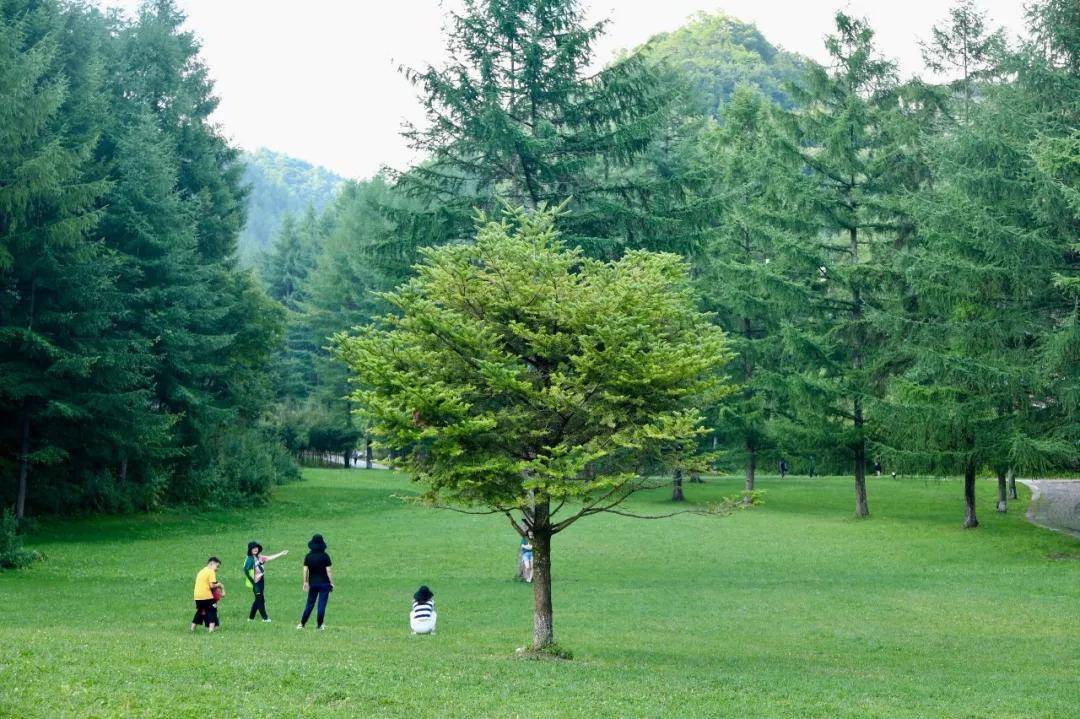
(318, 580)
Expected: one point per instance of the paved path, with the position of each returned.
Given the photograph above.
(338, 459)
(1055, 504)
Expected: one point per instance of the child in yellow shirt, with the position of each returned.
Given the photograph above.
(205, 605)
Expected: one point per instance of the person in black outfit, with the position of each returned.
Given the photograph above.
(318, 580)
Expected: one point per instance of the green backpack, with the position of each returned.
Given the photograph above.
(249, 564)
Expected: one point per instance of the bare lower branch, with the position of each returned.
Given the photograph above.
(520, 529)
(703, 512)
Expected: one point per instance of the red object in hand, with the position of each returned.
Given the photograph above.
(218, 593)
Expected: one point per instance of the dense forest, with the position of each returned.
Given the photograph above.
(134, 355)
(894, 262)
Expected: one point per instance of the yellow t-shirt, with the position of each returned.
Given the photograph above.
(203, 580)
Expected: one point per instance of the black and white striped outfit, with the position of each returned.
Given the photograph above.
(422, 617)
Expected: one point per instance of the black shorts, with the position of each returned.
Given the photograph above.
(205, 612)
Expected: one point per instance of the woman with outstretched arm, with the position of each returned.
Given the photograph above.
(255, 574)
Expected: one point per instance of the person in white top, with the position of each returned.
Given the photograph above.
(422, 617)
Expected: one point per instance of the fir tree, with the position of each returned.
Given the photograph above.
(55, 298)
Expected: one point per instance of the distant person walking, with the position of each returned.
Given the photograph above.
(255, 575)
(422, 616)
(783, 468)
(318, 581)
(205, 602)
(877, 466)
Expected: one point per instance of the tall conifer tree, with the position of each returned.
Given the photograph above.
(840, 136)
(517, 115)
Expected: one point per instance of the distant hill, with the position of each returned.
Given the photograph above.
(280, 185)
(716, 53)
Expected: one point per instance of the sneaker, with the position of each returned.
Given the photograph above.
(299, 626)
(322, 627)
(266, 621)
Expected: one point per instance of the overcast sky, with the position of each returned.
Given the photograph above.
(319, 80)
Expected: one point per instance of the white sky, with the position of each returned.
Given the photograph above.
(318, 79)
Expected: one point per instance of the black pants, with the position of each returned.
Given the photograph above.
(320, 592)
(259, 605)
(205, 612)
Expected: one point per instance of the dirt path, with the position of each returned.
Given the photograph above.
(1055, 504)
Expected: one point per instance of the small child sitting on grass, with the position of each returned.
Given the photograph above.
(422, 616)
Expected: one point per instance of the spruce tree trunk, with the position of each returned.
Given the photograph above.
(751, 464)
(543, 626)
(748, 373)
(24, 463)
(676, 489)
(970, 520)
(1011, 476)
(367, 452)
(862, 509)
(1003, 502)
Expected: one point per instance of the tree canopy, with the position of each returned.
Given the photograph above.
(519, 376)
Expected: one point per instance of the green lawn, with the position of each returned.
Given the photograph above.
(792, 609)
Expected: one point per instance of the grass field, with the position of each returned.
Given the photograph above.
(792, 609)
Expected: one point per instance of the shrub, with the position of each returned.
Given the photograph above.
(12, 555)
(238, 469)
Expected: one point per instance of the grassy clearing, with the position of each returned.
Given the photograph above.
(793, 609)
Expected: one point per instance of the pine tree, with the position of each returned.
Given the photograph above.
(981, 322)
(176, 213)
(1049, 78)
(55, 294)
(966, 49)
(291, 259)
(839, 133)
(286, 272)
(752, 267)
(518, 116)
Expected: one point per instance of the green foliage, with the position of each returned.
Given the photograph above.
(518, 115)
(715, 53)
(754, 269)
(987, 336)
(515, 367)
(241, 468)
(127, 337)
(843, 135)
